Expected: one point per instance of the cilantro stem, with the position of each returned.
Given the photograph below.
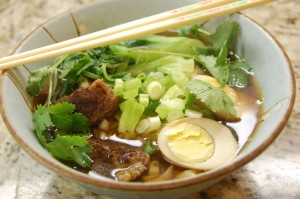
(53, 78)
(105, 74)
(90, 75)
(50, 90)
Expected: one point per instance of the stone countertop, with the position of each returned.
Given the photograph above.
(274, 174)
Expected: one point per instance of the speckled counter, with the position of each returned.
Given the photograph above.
(274, 174)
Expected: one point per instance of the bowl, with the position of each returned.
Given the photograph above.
(257, 46)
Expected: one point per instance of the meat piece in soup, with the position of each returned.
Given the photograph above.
(118, 160)
(96, 102)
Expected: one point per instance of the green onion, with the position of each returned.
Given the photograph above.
(155, 123)
(119, 87)
(131, 114)
(179, 78)
(149, 124)
(149, 148)
(151, 107)
(141, 76)
(172, 92)
(162, 111)
(142, 126)
(166, 81)
(192, 114)
(175, 114)
(144, 99)
(155, 90)
(176, 103)
(130, 94)
(134, 83)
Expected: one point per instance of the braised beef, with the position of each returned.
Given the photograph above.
(96, 102)
(126, 161)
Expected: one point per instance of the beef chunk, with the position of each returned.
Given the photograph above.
(131, 173)
(96, 102)
(120, 161)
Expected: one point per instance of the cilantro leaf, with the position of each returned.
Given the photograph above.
(218, 71)
(61, 116)
(37, 80)
(224, 34)
(189, 31)
(80, 122)
(41, 118)
(223, 54)
(64, 119)
(74, 148)
(239, 72)
(213, 97)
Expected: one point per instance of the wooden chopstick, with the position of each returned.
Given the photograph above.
(130, 25)
(153, 25)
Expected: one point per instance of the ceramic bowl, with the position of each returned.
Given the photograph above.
(271, 66)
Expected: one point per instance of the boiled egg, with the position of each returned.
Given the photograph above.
(197, 143)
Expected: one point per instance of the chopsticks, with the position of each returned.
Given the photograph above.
(194, 13)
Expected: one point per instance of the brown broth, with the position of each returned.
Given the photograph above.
(251, 99)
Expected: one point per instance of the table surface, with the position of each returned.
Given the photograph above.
(274, 174)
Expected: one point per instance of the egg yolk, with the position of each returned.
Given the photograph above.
(190, 143)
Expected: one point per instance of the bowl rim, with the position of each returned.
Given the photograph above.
(159, 186)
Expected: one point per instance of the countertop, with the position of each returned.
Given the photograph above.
(274, 174)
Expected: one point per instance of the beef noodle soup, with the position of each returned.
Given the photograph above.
(156, 108)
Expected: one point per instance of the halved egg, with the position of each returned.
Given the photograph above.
(197, 143)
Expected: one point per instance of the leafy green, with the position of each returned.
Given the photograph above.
(224, 34)
(42, 120)
(193, 31)
(218, 71)
(73, 148)
(239, 72)
(213, 97)
(216, 58)
(72, 68)
(37, 80)
(156, 46)
(62, 117)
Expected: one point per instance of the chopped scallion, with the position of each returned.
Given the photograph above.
(149, 148)
(155, 90)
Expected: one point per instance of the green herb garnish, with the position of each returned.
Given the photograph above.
(213, 97)
(61, 117)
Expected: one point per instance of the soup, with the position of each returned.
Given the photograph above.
(152, 109)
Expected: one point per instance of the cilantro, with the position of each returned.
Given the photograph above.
(42, 120)
(37, 80)
(215, 58)
(71, 148)
(213, 97)
(223, 54)
(220, 72)
(239, 71)
(189, 31)
(62, 117)
(224, 34)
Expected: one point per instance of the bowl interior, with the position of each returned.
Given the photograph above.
(255, 45)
